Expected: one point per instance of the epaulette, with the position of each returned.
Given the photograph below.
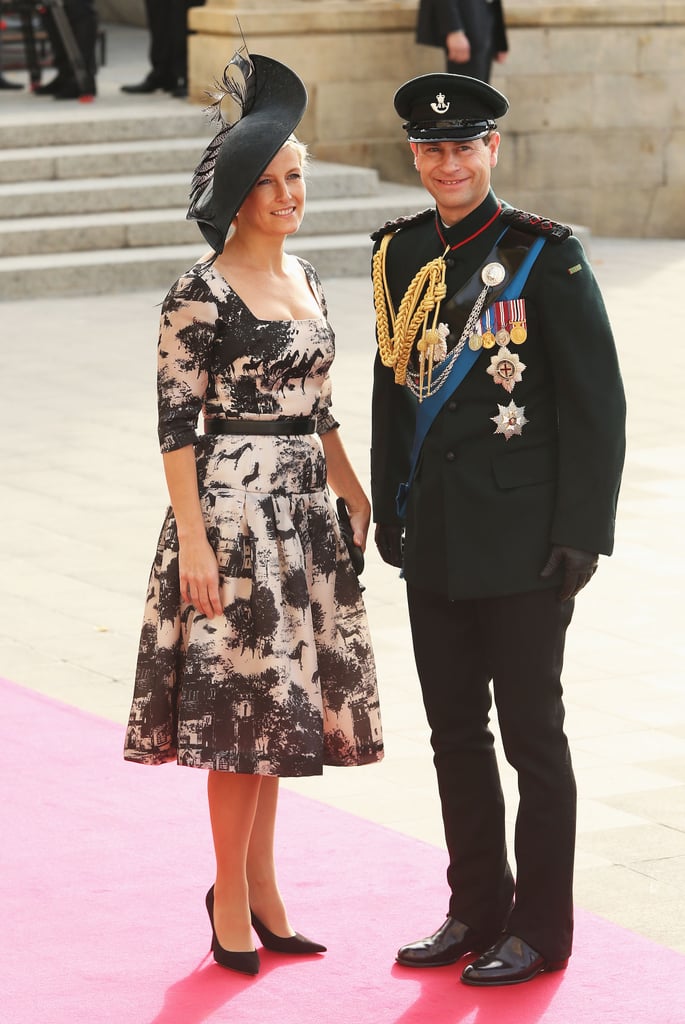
(403, 222)
(535, 225)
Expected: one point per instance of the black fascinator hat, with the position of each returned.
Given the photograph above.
(258, 105)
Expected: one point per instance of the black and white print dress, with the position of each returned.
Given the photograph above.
(284, 681)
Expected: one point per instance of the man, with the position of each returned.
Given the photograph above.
(471, 32)
(81, 17)
(498, 405)
(7, 83)
(167, 22)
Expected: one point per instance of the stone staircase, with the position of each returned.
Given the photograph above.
(96, 204)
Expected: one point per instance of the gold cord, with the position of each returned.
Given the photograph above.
(423, 296)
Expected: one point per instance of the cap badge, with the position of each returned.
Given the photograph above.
(440, 107)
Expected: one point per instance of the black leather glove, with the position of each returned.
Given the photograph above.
(390, 543)
(579, 568)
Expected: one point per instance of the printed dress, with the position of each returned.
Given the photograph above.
(284, 681)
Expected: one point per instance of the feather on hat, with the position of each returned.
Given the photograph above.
(258, 104)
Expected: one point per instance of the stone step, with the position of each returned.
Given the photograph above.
(152, 191)
(117, 270)
(92, 195)
(98, 160)
(79, 126)
(168, 226)
(95, 202)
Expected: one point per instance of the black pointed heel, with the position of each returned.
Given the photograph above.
(245, 962)
(296, 943)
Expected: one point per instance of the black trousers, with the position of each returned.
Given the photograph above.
(479, 64)
(517, 643)
(83, 20)
(167, 23)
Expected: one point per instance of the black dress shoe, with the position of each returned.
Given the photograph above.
(509, 962)
(245, 962)
(6, 84)
(449, 943)
(151, 83)
(296, 943)
(69, 90)
(50, 88)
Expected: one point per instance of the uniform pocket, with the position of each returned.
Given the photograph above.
(524, 467)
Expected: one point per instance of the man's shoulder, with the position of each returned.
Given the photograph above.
(403, 223)
(534, 224)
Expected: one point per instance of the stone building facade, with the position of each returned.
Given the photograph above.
(596, 130)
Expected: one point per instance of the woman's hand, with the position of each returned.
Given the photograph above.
(199, 575)
(343, 481)
(197, 565)
(360, 517)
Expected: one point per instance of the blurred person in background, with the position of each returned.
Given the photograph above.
(83, 21)
(168, 24)
(471, 32)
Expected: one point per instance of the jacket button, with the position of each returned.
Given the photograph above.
(450, 456)
(452, 406)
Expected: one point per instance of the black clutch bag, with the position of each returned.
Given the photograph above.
(356, 554)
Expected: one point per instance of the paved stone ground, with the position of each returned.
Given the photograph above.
(82, 498)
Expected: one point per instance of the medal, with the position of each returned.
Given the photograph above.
(517, 323)
(489, 334)
(518, 334)
(502, 337)
(506, 369)
(492, 274)
(475, 341)
(510, 420)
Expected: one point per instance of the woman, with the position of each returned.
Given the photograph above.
(255, 659)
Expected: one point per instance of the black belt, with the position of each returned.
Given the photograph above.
(295, 425)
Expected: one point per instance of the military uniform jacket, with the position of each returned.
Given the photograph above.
(482, 510)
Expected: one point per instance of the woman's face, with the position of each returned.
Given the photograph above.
(275, 205)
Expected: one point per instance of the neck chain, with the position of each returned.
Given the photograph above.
(451, 248)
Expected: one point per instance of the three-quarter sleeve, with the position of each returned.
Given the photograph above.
(326, 421)
(186, 338)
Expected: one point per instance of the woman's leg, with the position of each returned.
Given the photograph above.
(265, 898)
(233, 801)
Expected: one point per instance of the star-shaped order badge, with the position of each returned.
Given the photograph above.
(506, 369)
(510, 420)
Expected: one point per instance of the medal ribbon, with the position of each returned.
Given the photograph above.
(503, 315)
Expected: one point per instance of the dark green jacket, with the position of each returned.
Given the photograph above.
(482, 510)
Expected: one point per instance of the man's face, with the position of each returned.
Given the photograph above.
(457, 174)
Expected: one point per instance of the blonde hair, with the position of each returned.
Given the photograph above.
(300, 148)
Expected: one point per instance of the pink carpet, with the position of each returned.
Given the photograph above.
(103, 870)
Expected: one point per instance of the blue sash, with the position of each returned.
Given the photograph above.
(429, 408)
